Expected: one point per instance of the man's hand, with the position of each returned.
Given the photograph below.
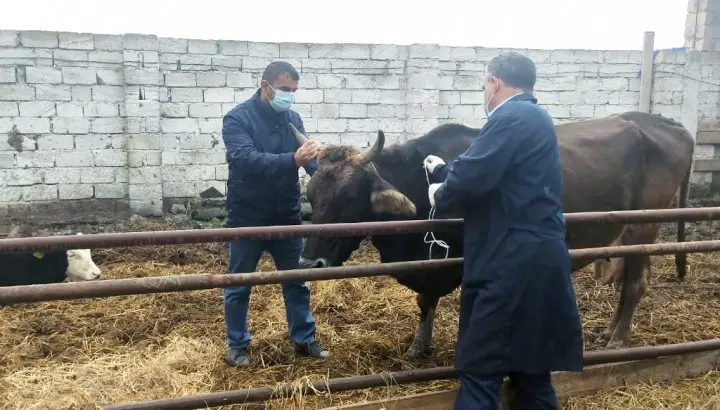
(431, 193)
(431, 162)
(307, 152)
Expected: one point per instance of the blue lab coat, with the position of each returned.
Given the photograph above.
(518, 309)
(263, 184)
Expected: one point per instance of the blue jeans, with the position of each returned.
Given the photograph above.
(529, 391)
(244, 257)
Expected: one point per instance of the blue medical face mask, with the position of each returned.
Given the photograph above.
(283, 100)
(485, 106)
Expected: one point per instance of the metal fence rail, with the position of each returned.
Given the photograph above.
(177, 237)
(392, 378)
(176, 283)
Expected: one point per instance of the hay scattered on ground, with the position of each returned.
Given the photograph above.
(86, 353)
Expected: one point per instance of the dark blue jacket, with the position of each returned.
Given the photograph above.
(263, 184)
(518, 308)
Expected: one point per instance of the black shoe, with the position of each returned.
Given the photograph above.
(237, 357)
(314, 350)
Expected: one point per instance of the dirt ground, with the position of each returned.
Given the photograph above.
(86, 353)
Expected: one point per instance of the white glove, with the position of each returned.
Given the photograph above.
(431, 193)
(431, 162)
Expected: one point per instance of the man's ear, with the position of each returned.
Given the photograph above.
(387, 200)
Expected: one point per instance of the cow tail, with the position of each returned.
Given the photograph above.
(681, 258)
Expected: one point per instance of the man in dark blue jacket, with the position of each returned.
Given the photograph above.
(518, 314)
(263, 158)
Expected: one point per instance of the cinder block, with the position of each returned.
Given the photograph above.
(140, 76)
(81, 93)
(261, 49)
(210, 125)
(9, 38)
(110, 77)
(615, 84)
(384, 52)
(70, 109)
(332, 125)
(73, 159)
(204, 110)
(173, 45)
(218, 95)
(32, 125)
(39, 193)
(101, 109)
(136, 125)
(211, 79)
(7, 75)
(308, 96)
(240, 80)
(108, 42)
(7, 160)
(56, 142)
(355, 51)
(63, 175)
(180, 80)
(109, 158)
(16, 92)
(364, 97)
(180, 125)
(413, 97)
(79, 75)
(202, 47)
(325, 110)
(42, 75)
(233, 48)
(35, 159)
(186, 95)
(75, 125)
(75, 191)
(9, 109)
(36, 38)
(134, 41)
(23, 177)
(93, 141)
(37, 109)
(174, 110)
(353, 111)
(142, 108)
(110, 191)
(108, 125)
(294, 50)
(78, 41)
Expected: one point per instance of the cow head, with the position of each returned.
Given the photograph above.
(81, 266)
(347, 188)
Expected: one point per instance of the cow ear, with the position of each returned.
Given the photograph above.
(387, 200)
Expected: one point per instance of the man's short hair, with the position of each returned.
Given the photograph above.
(515, 69)
(278, 68)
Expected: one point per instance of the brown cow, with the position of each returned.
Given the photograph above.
(625, 161)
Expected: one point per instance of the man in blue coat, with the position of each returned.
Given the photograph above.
(518, 312)
(263, 158)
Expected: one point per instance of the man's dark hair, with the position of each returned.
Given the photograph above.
(514, 69)
(278, 68)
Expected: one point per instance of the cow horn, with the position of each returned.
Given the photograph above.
(375, 149)
(300, 138)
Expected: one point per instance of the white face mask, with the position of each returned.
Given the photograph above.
(485, 106)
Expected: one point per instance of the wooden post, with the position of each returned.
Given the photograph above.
(646, 73)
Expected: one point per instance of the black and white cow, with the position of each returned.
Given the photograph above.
(41, 267)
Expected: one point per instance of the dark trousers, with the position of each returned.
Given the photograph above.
(244, 257)
(527, 392)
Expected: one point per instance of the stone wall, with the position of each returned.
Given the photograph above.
(94, 126)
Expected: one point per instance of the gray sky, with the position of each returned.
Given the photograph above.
(545, 24)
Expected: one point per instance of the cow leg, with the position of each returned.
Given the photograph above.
(422, 343)
(634, 282)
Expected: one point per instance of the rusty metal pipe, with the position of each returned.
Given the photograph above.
(185, 236)
(286, 390)
(176, 283)
(177, 237)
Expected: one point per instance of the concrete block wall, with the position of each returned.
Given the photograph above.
(133, 123)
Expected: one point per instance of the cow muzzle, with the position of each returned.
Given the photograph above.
(314, 263)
